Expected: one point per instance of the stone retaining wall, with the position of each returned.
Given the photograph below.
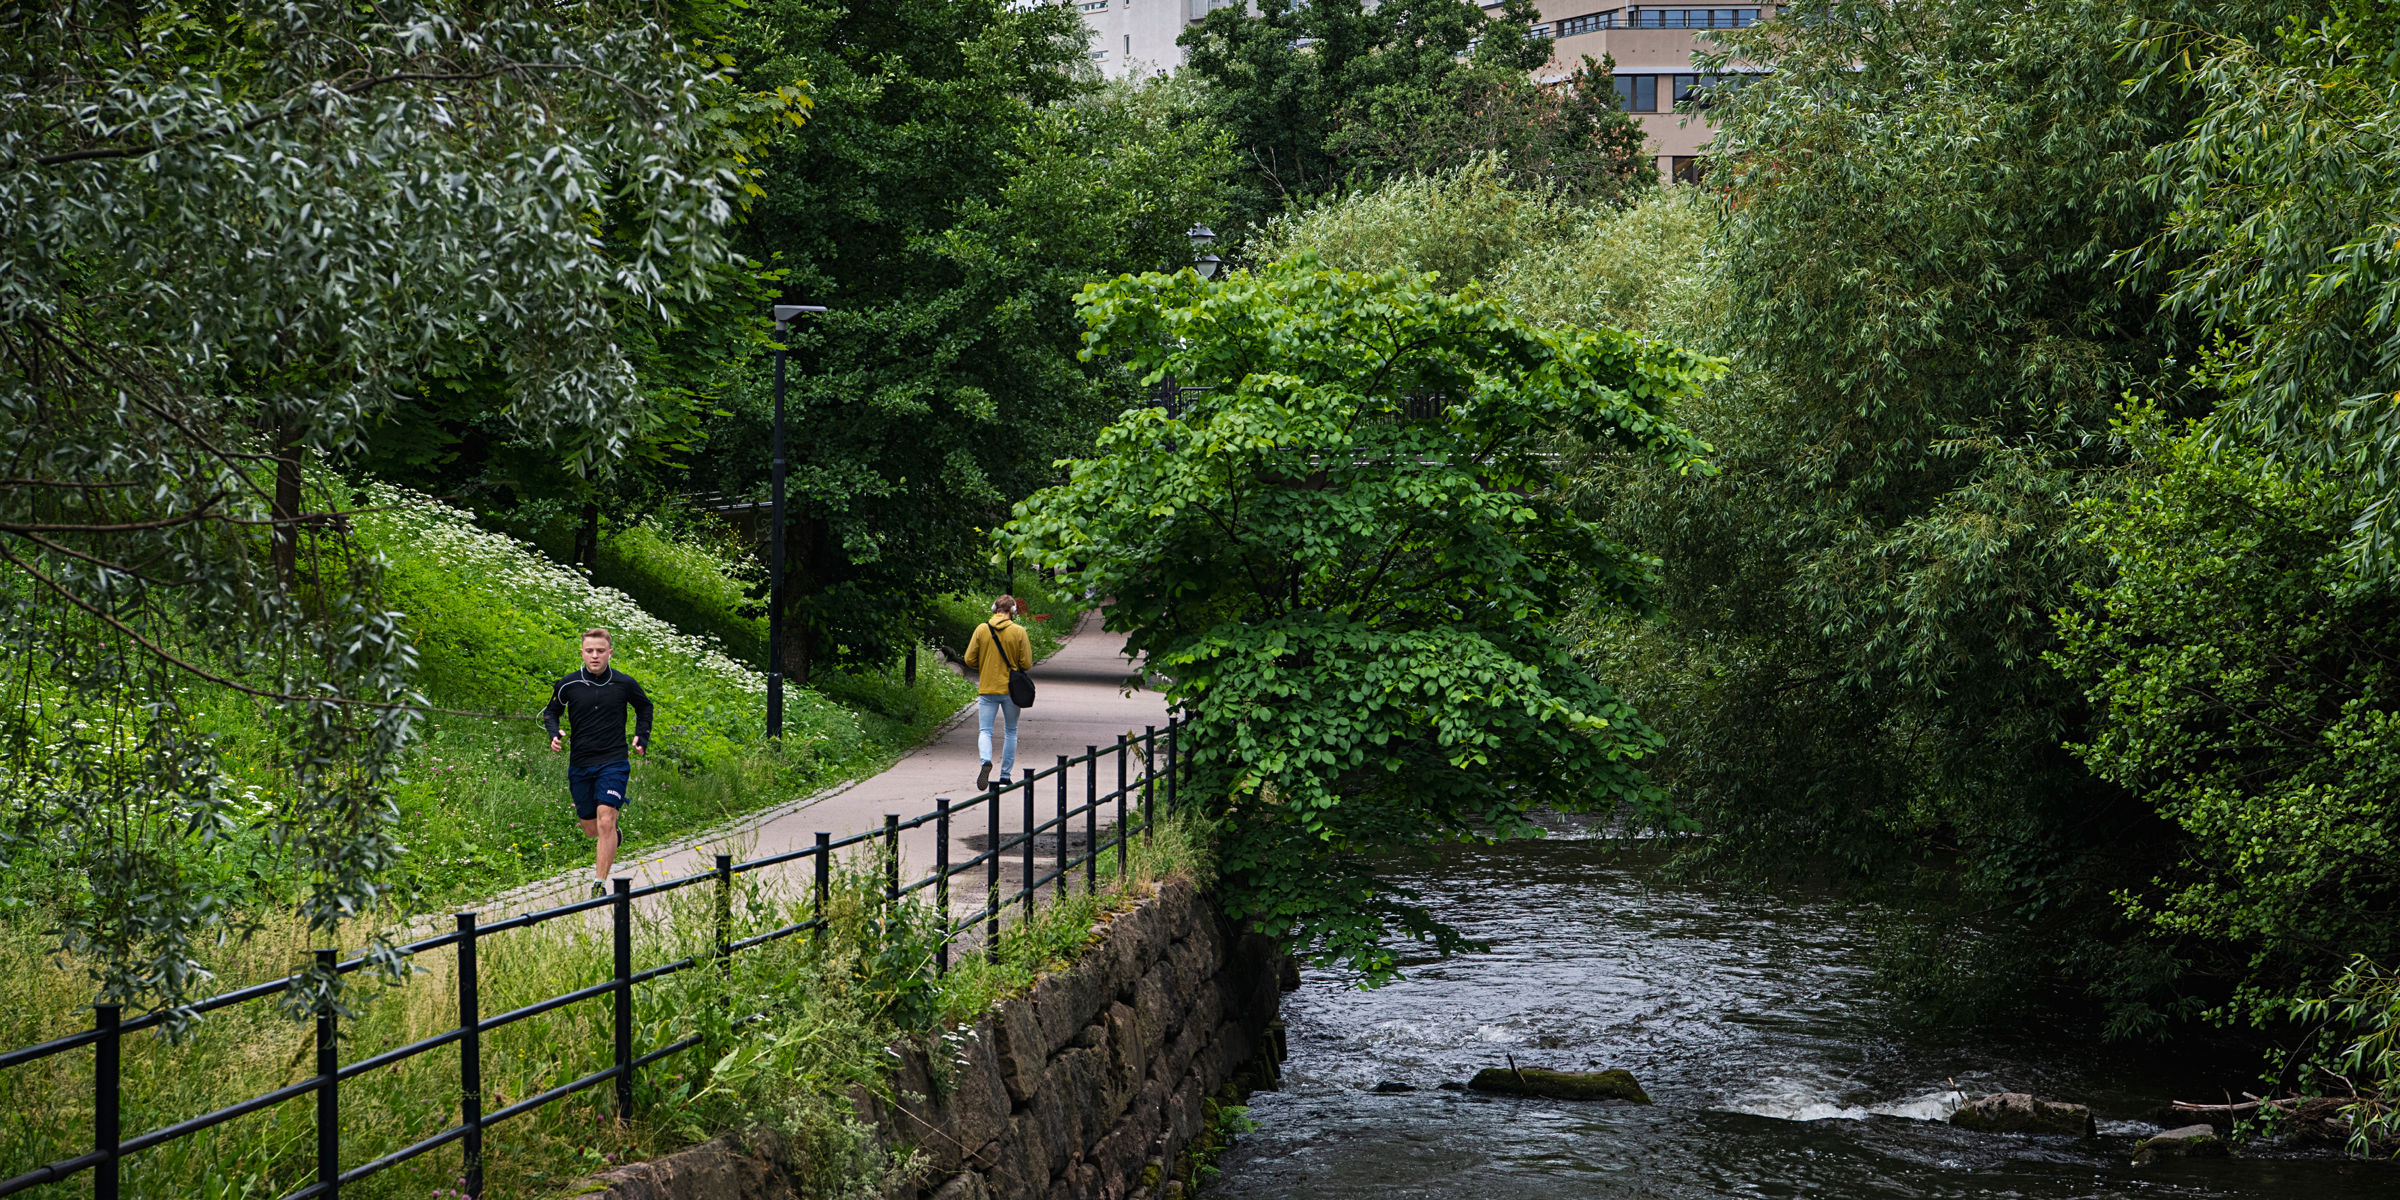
(1089, 1088)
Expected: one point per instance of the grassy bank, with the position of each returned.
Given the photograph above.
(829, 1006)
(481, 803)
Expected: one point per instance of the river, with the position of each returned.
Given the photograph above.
(1751, 1021)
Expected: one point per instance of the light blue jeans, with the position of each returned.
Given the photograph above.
(985, 706)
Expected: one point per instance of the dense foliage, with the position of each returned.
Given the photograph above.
(1318, 96)
(958, 180)
(234, 234)
(1347, 556)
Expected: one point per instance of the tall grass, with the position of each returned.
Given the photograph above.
(827, 1007)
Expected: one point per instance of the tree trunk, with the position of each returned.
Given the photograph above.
(796, 642)
(286, 507)
(587, 538)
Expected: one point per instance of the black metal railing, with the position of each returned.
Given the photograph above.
(1151, 787)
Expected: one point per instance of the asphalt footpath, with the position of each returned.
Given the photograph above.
(1089, 692)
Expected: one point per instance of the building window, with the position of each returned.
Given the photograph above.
(1660, 18)
(1094, 6)
(1637, 93)
(1689, 168)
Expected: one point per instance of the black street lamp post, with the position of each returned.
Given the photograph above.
(783, 316)
(1205, 263)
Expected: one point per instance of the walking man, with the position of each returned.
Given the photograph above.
(991, 650)
(594, 700)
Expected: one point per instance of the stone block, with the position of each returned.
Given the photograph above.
(1128, 1057)
(2191, 1141)
(716, 1170)
(1171, 1065)
(966, 1185)
(2017, 1112)
(1154, 1007)
(1178, 903)
(1207, 941)
(1022, 1052)
(1116, 959)
(1082, 1182)
(1015, 1170)
(1066, 1002)
(978, 1103)
(1193, 964)
(1119, 1157)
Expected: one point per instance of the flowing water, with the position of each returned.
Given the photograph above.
(1751, 1022)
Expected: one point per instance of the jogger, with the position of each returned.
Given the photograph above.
(594, 700)
(1002, 634)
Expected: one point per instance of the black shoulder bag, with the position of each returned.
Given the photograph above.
(1020, 684)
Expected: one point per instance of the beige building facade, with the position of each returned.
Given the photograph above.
(1652, 44)
(1653, 47)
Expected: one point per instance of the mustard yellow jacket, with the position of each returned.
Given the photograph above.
(991, 673)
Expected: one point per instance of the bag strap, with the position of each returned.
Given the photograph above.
(994, 630)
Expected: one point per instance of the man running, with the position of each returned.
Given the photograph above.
(594, 700)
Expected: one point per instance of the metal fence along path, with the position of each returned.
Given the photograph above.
(1056, 825)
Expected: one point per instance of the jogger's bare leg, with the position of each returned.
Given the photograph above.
(606, 834)
(603, 829)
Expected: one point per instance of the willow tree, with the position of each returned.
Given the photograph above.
(234, 233)
(1348, 556)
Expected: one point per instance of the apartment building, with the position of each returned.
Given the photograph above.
(1652, 45)
(1137, 37)
(1656, 81)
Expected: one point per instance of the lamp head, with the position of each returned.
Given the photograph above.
(1207, 265)
(785, 312)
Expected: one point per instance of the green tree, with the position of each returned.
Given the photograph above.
(235, 235)
(1323, 95)
(2281, 238)
(2246, 687)
(1916, 277)
(961, 176)
(1347, 556)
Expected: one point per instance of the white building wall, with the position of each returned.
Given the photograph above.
(1137, 37)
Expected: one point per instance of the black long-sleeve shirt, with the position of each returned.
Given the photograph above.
(595, 708)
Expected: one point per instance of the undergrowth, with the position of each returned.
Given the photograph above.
(824, 1009)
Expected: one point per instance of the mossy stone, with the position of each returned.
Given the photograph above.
(1614, 1084)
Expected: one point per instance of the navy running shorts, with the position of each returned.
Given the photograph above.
(598, 784)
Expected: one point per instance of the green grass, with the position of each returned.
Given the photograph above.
(484, 805)
(482, 801)
(830, 1006)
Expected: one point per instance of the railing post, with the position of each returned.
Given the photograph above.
(329, 1106)
(991, 873)
(107, 1129)
(891, 865)
(1149, 785)
(470, 1058)
(622, 911)
(1091, 824)
(1029, 832)
(1150, 812)
(1124, 834)
(824, 879)
(1062, 825)
(724, 913)
(1091, 828)
(941, 881)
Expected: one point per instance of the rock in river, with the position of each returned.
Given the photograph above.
(1615, 1085)
(2191, 1141)
(2016, 1112)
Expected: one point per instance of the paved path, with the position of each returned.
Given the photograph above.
(1089, 693)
